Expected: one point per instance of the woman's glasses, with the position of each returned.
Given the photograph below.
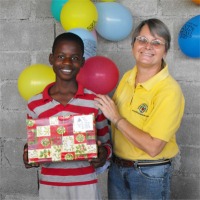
(143, 41)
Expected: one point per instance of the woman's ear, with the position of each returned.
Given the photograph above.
(164, 56)
(51, 59)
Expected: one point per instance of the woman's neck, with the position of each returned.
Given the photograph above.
(144, 74)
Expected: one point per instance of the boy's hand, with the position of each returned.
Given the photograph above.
(102, 156)
(25, 158)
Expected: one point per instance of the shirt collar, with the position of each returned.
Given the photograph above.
(152, 81)
(132, 76)
(47, 97)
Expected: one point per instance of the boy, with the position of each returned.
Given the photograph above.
(73, 179)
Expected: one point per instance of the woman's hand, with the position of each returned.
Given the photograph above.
(108, 107)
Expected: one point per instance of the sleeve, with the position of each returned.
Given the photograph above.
(103, 133)
(30, 114)
(120, 88)
(166, 116)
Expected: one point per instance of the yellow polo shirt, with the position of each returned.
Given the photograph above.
(155, 106)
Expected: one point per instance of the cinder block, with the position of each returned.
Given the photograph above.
(10, 9)
(18, 180)
(178, 8)
(21, 197)
(13, 63)
(102, 180)
(12, 153)
(105, 45)
(185, 68)
(188, 134)
(192, 95)
(43, 9)
(185, 188)
(190, 161)
(43, 57)
(9, 89)
(26, 35)
(144, 9)
(1, 149)
(13, 124)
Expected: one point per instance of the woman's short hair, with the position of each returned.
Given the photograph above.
(156, 27)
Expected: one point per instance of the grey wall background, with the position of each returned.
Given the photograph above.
(27, 30)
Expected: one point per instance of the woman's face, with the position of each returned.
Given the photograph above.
(148, 50)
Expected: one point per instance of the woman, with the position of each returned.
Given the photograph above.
(145, 113)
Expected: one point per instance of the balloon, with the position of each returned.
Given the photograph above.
(99, 74)
(115, 21)
(94, 33)
(189, 37)
(34, 79)
(196, 1)
(89, 40)
(56, 7)
(79, 14)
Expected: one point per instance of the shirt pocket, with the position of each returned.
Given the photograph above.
(139, 110)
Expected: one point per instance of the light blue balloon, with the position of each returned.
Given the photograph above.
(115, 21)
(56, 7)
(189, 37)
(89, 40)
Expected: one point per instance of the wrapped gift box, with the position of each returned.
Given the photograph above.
(61, 138)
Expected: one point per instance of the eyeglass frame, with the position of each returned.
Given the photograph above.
(157, 46)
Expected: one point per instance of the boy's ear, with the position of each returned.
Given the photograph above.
(51, 59)
(83, 61)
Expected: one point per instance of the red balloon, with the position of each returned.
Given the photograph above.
(99, 74)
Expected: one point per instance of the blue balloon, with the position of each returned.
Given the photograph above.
(56, 7)
(115, 21)
(89, 40)
(189, 37)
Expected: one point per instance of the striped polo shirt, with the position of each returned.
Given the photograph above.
(71, 173)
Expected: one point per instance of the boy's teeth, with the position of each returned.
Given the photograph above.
(66, 70)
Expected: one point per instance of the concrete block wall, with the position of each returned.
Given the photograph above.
(27, 30)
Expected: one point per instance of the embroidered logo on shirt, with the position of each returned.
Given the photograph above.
(143, 108)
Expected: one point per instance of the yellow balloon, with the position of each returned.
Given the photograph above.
(79, 14)
(34, 79)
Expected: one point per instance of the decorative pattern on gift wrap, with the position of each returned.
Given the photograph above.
(68, 144)
(56, 152)
(61, 130)
(44, 153)
(53, 121)
(61, 138)
(43, 131)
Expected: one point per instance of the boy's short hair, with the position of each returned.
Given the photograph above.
(68, 37)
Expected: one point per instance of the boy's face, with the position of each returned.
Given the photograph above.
(67, 60)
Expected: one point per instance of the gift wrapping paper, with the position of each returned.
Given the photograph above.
(61, 138)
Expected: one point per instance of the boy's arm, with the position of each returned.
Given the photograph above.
(25, 152)
(25, 158)
(103, 141)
